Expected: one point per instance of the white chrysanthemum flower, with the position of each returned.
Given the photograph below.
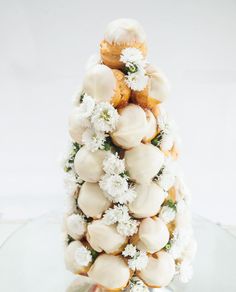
(182, 190)
(181, 239)
(105, 117)
(114, 186)
(71, 182)
(138, 262)
(113, 165)
(136, 81)
(132, 56)
(162, 118)
(167, 178)
(93, 140)
(128, 228)
(167, 214)
(70, 204)
(83, 256)
(76, 223)
(129, 251)
(181, 206)
(119, 213)
(86, 109)
(137, 285)
(184, 271)
(127, 197)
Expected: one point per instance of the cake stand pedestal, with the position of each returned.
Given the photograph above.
(32, 260)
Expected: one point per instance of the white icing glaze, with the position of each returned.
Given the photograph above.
(159, 272)
(143, 162)
(76, 129)
(148, 201)
(88, 165)
(151, 129)
(131, 127)
(100, 83)
(158, 85)
(70, 259)
(110, 271)
(75, 227)
(92, 201)
(153, 235)
(124, 31)
(104, 237)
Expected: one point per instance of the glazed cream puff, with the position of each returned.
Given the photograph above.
(92, 201)
(143, 162)
(159, 271)
(106, 85)
(120, 34)
(151, 130)
(75, 226)
(72, 264)
(155, 92)
(104, 237)
(131, 127)
(148, 200)
(153, 235)
(89, 165)
(110, 271)
(76, 129)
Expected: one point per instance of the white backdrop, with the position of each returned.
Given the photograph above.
(43, 51)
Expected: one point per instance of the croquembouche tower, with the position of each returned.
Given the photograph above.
(128, 225)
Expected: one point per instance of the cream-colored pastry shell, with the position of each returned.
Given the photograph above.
(92, 201)
(153, 235)
(151, 129)
(131, 127)
(76, 129)
(158, 86)
(110, 272)
(124, 30)
(148, 200)
(159, 271)
(70, 261)
(88, 165)
(100, 83)
(104, 237)
(143, 162)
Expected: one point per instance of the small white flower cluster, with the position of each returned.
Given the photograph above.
(168, 129)
(120, 214)
(115, 182)
(97, 120)
(138, 260)
(167, 214)
(137, 285)
(83, 256)
(166, 178)
(134, 61)
(184, 271)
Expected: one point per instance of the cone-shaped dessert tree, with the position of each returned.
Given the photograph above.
(128, 224)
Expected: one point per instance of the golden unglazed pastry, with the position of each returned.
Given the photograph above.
(106, 85)
(70, 258)
(110, 271)
(148, 200)
(104, 237)
(131, 127)
(159, 271)
(88, 165)
(92, 201)
(155, 92)
(143, 162)
(153, 235)
(76, 129)
(120, 34)
(75, 226)
(151, 130)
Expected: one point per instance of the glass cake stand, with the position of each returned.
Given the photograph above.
(31, 260)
